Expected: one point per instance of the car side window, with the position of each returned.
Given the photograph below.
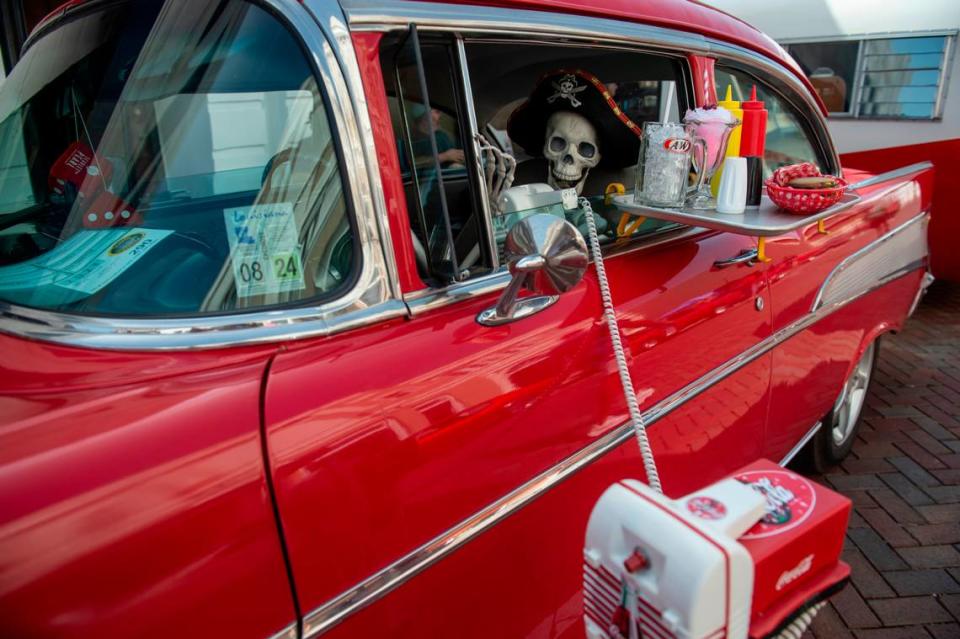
(181, 162)
(476, 161)
(570, 116)
(788, 141)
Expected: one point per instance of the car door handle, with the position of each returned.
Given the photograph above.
(747, 256)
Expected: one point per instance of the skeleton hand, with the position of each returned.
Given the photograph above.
(498, 169)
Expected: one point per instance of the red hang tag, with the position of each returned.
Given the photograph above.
(80, 167)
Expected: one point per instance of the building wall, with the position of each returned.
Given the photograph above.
(786, 20)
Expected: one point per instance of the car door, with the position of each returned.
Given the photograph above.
(430, 468)
(811, 276)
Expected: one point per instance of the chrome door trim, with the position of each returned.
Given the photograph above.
(333, 24)
(396, 574)
(472, 132)
(374, 296)
(800, 444)
(377, 15)
(429, 299)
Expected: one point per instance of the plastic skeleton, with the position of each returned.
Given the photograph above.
(498, 171)
(572, 148)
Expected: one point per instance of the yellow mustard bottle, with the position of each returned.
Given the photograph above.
(733, 144)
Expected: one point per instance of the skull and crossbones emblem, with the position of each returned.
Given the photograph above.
(567, 89)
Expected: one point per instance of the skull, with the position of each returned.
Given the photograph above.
(571, 147)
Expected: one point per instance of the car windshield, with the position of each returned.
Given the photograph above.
(162, 158)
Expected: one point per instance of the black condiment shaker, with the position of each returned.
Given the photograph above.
(754, 180)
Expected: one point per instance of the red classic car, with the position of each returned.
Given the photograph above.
(244, 247)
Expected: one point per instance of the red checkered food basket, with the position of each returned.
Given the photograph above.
(801, 201)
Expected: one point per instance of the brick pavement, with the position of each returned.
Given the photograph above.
(904, 479)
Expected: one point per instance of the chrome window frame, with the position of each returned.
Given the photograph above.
(474, 22)
(820, 141)
(374, 15)
(374, 296)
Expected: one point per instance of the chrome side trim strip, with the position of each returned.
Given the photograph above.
(897, 251)
(888, 176)
(379, 584)
(288, 632)
(373, 297)
(800, 444)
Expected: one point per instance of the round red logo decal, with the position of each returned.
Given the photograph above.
(790, 500)
(677, 145)
(706, 507)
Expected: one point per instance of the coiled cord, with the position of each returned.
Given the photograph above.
(799, 625)
(613, 327)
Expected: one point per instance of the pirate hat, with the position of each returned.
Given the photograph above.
(580, 92)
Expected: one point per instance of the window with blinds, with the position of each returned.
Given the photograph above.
(899, 77)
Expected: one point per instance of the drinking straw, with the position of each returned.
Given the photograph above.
(670, 87)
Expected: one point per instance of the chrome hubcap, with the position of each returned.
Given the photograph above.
(847, 409)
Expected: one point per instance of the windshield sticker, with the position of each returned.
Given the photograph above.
(85, 263)
(264, 249)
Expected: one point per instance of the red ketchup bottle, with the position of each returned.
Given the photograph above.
(753, 134)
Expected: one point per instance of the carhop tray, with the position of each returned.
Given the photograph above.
(763, 221)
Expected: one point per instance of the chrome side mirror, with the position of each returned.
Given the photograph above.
(547, 256)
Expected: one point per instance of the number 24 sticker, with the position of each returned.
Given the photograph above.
(286, 266)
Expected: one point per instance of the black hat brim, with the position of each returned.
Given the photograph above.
(618, 136)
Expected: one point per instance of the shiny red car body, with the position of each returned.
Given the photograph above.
(414, 473)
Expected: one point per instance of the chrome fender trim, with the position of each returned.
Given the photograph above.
(800, 444)
(897, 252)
(925, 283)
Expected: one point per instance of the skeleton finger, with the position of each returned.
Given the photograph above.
(489, 167)
(499, 171)
(492, 161)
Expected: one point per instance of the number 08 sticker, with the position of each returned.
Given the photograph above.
(264, 249)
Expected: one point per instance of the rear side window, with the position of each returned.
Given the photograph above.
(169, 162)
(788, 141)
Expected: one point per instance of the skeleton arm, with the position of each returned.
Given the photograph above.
(498, 169)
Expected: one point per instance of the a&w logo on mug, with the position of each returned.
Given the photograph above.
(677, 145)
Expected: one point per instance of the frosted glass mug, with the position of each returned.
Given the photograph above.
(663, 168)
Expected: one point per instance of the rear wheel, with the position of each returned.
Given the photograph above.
(839, 428)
